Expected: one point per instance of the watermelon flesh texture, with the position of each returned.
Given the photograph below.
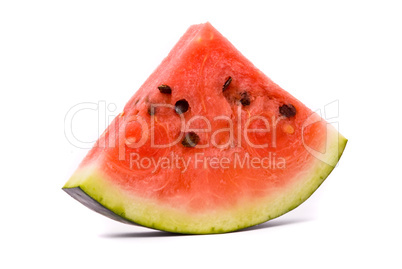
(208, 144)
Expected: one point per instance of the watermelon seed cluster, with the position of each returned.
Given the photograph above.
(242, 97)
(191, 139)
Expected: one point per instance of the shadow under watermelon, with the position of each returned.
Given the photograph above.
(156, 234)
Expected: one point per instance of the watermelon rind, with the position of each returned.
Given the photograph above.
(92, 188)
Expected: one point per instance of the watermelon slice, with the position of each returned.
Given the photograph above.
(208, 144)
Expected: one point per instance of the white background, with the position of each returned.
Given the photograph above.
(56, 54)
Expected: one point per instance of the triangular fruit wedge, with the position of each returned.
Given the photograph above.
(208, 144)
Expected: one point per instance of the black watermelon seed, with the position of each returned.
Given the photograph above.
(245, 99)
(181, 106)
(190, 140)
(151, 110)
(226, 84)
(165, 89)
(287, 110)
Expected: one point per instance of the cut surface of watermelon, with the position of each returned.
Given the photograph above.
(208, 144)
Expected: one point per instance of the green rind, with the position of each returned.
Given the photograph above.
(81, 196)
(150, 214)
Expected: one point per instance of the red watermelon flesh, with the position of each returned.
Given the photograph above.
(208, 144)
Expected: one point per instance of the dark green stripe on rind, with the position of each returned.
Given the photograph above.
(78, 194)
